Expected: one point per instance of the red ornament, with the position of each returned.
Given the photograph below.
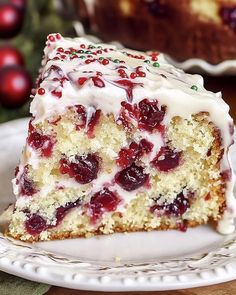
(15, 86)
(20, 4)
(10, 56)
(11, 20)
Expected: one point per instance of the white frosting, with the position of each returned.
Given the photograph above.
(170, 86)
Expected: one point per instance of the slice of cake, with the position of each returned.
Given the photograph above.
(120, 141)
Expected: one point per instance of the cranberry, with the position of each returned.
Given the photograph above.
(26, 185)
(146, 146)
(93, 122)
(103, 201)
(177, 208)
(131, 178)
(57, 93)
(35, 225)
(63, 210)
(128, 155)
(157, 8)
(83, 170)
(82, 80)
(228, 15)
(82, 116)
(150, 115)
(98, 82)
(167, 159)
(41, 142)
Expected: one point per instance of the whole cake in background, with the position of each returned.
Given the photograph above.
(183, 29)
(120, 141)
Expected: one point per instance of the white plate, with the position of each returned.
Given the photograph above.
(119, 262)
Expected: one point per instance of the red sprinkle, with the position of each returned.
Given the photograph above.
(133, 75)
(82, 45)
(41, 91)
(51, 38)
(141, 74)
(60, 49)
(58, 36)
(105, 62)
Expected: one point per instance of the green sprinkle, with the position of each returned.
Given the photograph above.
(194, 87)
(82, 56)
(101, 58)
(156, 64)
(116, 61)
(88, 52)
(73, 53)
(100, 47)
(92, 47)
(147, 61)
(81, 51)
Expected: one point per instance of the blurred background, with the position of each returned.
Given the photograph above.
(183, 29)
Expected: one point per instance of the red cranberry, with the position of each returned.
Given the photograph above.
(131, 178)
(82, 80)
(146, 146)
(57, 93)
(167, 159)
(177, 208)
(98, 82)
(63, 210)
(93, 122)
(11, 20)
(26, 185)
(10, 56)
(35, 225)
(15, 86)
(40, 142)
(150, 115)
(82, 116)
(103, 201)
(84, 169)
(128, 155)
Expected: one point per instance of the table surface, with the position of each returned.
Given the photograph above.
(228, 87)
